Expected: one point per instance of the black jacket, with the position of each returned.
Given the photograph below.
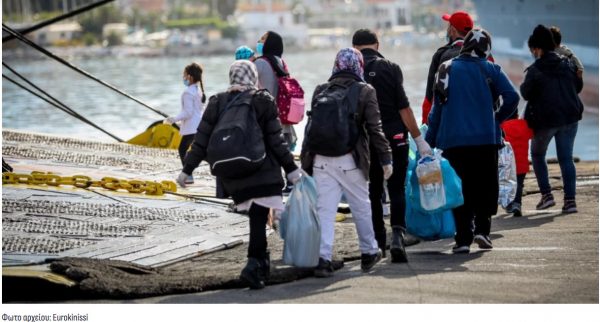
(368, 117)
(386, 77)
(551, 86)
(267, 181)
(444, 53)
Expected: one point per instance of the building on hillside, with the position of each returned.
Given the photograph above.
(58, 32)
(255, 17)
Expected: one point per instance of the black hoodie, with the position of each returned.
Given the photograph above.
(551, 88)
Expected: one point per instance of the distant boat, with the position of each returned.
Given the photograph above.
(512, 21)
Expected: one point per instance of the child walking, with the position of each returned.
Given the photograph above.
(192, 108)
(518, 134)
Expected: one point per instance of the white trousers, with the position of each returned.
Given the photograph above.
(334, 176)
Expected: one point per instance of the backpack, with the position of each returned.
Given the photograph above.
(332, 128)
(236, 147)
(290, 98)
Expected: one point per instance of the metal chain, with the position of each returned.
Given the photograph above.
(80, 181)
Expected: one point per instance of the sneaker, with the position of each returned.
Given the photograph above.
(546, 202)
(464, 249)
(483, 241)
(189, 180)
(367, 261)
(324, 268)
(514, 208)
(569, 207)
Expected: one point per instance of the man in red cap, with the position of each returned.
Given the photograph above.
(460, 23)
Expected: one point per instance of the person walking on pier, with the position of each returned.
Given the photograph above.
(270, 67)
(553, 110)
(464, 123)
(192, 107)
(397, 120)
(459, 24)
(343, 119)
(259, 190)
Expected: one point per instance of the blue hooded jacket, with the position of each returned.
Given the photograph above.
(467, 117)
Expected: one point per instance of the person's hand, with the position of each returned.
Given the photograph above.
(295, 175)
(181, 179)
(422, 146)
(169, 120)
(388, 170)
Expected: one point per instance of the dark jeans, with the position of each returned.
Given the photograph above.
(257, 246)
(520, 183)
(395, 185)
(564, 137)
(184, 145)
(477, 167)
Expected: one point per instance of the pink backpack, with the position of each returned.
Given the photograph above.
(290, 99)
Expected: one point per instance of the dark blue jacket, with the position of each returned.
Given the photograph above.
(467, 118)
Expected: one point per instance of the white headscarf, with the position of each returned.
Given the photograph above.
(242, 76)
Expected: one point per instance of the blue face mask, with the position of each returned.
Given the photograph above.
(186, 82)
(259, 48)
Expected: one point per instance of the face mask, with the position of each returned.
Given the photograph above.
(259, 48)
(186, 83)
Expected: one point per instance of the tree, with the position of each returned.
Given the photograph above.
(94, 21)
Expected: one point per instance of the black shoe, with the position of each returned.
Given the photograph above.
(397, 248)
(461, 249)
(408, 239)
(546, 202)
(569, 207)
(483, 241)
(324, 268)
(253, 274)
(367, 261)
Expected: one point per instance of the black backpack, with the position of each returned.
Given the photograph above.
(236, 147)
(332, 128)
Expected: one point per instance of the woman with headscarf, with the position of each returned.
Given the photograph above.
(261, 190)
(270, 67)
(348, 173)
(464, 123)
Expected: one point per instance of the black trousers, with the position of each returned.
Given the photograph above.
(257, 246)
(184, 145)
(520, 183)
(396, 190)
(477, 167)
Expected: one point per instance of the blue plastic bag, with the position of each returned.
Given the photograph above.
(428, 225)
(299, 225)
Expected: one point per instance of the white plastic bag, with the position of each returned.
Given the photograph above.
(431, 184)
(507, 175)
(300, 227)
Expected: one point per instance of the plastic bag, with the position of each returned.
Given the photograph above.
(431, 185)
(299, 225)
(507, 175)
(453, 196)
(428, 225)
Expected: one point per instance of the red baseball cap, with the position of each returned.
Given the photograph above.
(460, 20)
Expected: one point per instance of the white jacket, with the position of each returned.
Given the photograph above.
(191, 110)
